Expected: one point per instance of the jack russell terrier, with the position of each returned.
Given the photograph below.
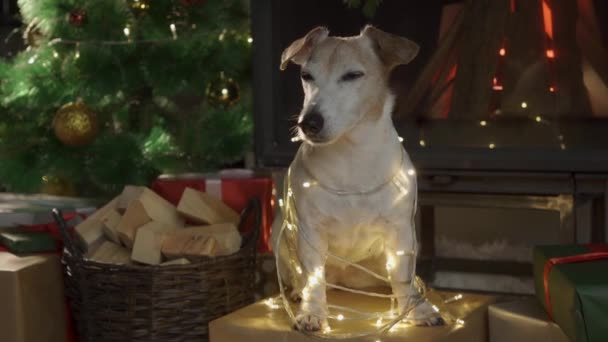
(352, 182)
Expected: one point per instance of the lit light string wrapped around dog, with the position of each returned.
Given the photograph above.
(381, 322)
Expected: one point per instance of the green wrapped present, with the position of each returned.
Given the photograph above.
(28, 242)
(572, 285)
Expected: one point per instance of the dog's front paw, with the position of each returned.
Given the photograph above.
(427, 322)
(308, 322)
(424, 315)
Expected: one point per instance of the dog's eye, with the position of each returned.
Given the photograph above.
(351, 76)
(306, 76)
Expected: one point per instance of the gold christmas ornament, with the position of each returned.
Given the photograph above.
(140, 6)
(223, 91)
(75, 124)
(57, 186)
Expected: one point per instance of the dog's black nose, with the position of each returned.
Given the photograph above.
(312, 123)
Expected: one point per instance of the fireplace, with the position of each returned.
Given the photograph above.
(503, 113)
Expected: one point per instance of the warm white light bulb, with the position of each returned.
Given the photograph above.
(340, 317)
(491, 146)
(295, 139)
(281, 202)
(299, 269)
(400, 253)
(306, 184)
(538, 119)
(173, 31)
(126, 31)
(411, 172)
(379, 322)
(400, 139)
(249, 40)
(483, 122)
(390, 263)
(524, 105)
(422, 143)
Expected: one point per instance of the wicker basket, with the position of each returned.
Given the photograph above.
(158, 303)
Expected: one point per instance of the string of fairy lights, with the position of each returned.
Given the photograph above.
(376, 324)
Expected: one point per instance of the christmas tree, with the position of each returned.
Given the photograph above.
(114, 92)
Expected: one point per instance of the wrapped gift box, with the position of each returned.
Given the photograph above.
(27, 210)
(31, 293)
(267, 320)
(522, 320)
(233, 187)
(572, 285)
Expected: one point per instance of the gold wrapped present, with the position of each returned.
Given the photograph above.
(522, 320)
(267, 320)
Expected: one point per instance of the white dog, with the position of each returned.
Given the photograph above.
(352, 182)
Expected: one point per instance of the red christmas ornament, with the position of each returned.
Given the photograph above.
(188, 3)
(78, 17)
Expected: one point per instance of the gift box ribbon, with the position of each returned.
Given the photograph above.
(597, 252)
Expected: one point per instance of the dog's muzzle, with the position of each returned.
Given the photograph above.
(311, 124)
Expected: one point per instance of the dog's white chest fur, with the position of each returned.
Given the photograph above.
(355, 225)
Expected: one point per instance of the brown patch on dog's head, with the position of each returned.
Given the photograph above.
(391, 49)
(299, 51)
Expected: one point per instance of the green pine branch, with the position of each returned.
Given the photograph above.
(147, 89)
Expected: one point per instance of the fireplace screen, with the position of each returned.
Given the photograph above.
(498, 84)
(509, 74)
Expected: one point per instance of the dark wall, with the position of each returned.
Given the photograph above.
(10, 40)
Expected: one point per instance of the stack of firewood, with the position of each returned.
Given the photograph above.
(139, 226)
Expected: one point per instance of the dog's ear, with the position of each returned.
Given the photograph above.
(392, 50)
(299, 51)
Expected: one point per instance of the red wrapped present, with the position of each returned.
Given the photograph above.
(233, 187)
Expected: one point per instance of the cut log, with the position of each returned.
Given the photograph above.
(439, 60)
(180, 261)
(204, 208)
(146, 208)
(214, 240)
(111, 253)
(89, 233)
(129, 193)
(148, 242)
(110, 221)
